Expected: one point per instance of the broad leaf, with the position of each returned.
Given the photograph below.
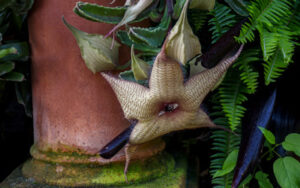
(263, 180)
(13, 76)
(6, 67)
(238, 6)
(287, 172)
(21, 53)
(100, 13)
(268, 135)
(124, 38)
(132, 13)
(152, 36)
(7, 51)
(96, 50)
(228, 165)
(292, 143)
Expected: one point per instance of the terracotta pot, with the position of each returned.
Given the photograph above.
(75, 111)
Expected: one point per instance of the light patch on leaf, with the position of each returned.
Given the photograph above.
(96, 50)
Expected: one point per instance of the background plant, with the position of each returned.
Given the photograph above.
(15, 93)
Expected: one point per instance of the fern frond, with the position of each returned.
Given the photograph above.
(197, 18)
(249, 75)
(223, 144)
(268, 42)
(274, 67)
(263, 12)
(294, 20)
(223, 19)
(232, 94)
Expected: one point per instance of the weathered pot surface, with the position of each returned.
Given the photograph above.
(74, 110)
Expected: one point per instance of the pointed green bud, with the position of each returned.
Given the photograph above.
(96, 50)
(182, 44)
(139, 67)
(203, 4)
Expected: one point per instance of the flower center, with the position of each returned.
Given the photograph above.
(167, 108)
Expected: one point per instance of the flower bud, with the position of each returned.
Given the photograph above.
(182, 44)
(139, 67)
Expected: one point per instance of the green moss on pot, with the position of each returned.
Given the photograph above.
(91, 174)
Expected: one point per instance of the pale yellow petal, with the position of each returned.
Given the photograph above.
(197, 87)
(166, 79)
(132, 97)
(201, 120)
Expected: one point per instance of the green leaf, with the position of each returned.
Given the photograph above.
(287, 172)
(139, 67)
(274, 67)
(21, 53)
(7, 51)
(245, 181)
(268, 135)
(96, 50)
(124, 38)
(268, 42)
(238, 6)
(223, 19)
(266, 12)
(13, 76)
(100, 13)
(292, 143)
(113, 15)
(263, 180)
(6, 67)
(228, 165)
(153, 36)
(177, 8)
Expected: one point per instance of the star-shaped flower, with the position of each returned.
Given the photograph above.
(170, 103)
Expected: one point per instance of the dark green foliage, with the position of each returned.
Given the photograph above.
(14, 52)
(223, 143)
(197, 18)
(221, 22)
(239, 6)
(264, 12)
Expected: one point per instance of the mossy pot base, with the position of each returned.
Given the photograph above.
(140, 172)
